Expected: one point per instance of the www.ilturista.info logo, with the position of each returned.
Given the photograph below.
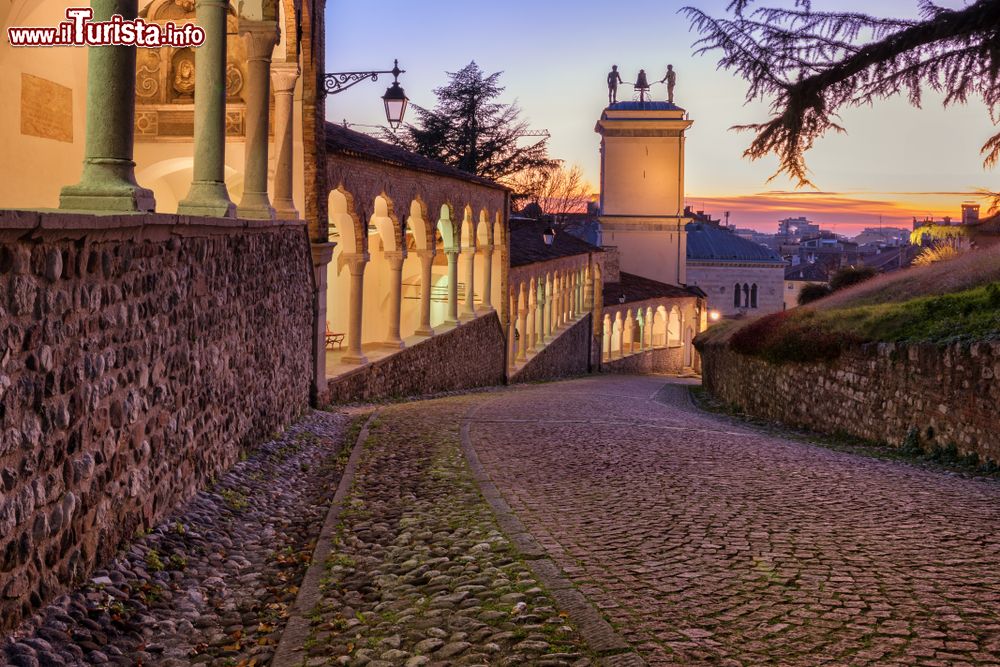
(79, 30)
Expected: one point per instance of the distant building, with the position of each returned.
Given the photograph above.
(828, 249)
(889, 259)
(883, 236)
(739, 277)
(797, 228)
(797, 277)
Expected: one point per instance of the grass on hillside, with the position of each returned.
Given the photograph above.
(945, 302)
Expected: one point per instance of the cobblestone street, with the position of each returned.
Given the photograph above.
(705, 542)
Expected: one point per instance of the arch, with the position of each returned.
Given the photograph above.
(446, 227)
(736, 295)
(386, 225)
(468, 228)
(419, 225)
(753, 295)
(674, 327)
(484, 230)
(498, 229)
(660, 327)
(746, 295)
(345, 222)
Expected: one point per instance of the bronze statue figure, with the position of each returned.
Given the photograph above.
(671, 78)
(614, 78)
(642, 85)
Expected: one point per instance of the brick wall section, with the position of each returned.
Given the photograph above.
(136, 362)
(471, 355)
(565, 356)
(877, 392)
(666, 360)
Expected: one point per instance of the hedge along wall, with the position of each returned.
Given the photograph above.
(878, 392)
(139, 356)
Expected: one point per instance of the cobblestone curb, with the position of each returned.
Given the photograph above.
(297, 628)
(602, 638)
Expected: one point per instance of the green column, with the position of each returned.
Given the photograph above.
(208, 195)
(107, 182)
(259, 39)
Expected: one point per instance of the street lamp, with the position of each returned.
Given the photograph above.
(549, 235)
(395, 98)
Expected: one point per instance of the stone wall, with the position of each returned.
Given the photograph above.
(139, 356)
(470, 355)
(664, 360)
(565, 356)
(878, 392)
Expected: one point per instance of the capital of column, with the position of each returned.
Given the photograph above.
(395, 258)
(284, 76)
(354, 261)
(427, 253)
(322, 253)
(260, 38)
(452, 252)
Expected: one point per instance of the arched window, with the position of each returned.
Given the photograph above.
(746, 295)
(736, 295)
(753, 296)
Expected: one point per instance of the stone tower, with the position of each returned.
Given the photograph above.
(642, 187)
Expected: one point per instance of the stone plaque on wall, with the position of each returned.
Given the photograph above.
(46, 109)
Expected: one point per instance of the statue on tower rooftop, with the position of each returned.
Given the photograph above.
(671, 79)
(614, 78)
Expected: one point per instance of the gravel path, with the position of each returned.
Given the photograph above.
(419, 573)
(706, 542)
(212, 583)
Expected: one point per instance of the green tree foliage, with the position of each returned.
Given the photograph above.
(471, 130)
(851, 275)
(812, 63)
(812, 292)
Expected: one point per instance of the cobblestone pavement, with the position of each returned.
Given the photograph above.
(212, 583)
(706, 542)
(419, 572)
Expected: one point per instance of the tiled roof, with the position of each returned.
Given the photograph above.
(636, 288)
(808, 271)
(345, 141)
(712, 243)
(527, 245)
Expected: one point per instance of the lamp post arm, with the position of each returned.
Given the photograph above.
(338, 82)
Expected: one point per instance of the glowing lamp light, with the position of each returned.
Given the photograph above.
(714, 315)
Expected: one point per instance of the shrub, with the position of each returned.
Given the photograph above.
(813, 292)
(851, 275)
(936, 253)
(780, 338)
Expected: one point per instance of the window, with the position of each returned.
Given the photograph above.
(746, 295)
(753, 296)
(736, 296)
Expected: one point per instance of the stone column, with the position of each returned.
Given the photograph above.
(588, 290)
(395, 258)
(579, 291)
(469, 303)
(107, 182)
(649, 327)
(556, 302)
(540, 312)
(628, 334)
(606, 340)
(532, 321)
(488, 277)
(284, 77)
(452, 316)
(356, 263)
(259, 39)
(426, 276)
(321, 255)
(522, 323)
(512, 331)
(208, 194)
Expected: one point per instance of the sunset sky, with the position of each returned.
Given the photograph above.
(895, 162)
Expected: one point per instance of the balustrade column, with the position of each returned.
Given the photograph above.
(259, 39)
(522, 323)
(356, 263)
(452, 316)
(107, 181)
(532, 322)
(426, 276)
(395, 258)
(540, 299)
(208, 194)
(488, 277)
(283, 78)
(469, 303)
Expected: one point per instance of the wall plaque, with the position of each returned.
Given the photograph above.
(46, 109)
